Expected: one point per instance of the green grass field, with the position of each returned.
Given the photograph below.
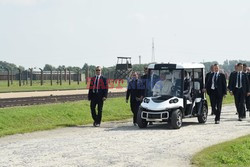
(41, 117)
(36, 86)
(233, 153)
(32, 118)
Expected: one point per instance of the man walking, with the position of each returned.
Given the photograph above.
(98, 91)
(217, 88)
(135, 92)
(239, 87)
(211, 72)
(247, 97)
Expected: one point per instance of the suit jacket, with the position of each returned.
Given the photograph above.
(102, 90)
(135, 89)
(221, 84)
(230, 80)
(207, 76)
(233, 81)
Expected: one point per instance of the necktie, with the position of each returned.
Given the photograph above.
(215, 80)
(238, 80)
(135, 84)
(96, 84)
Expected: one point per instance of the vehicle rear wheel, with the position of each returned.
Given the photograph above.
(202, 118)
(142, 123)
(176, 119)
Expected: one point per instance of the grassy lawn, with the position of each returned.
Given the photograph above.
(46, 86)
(37, 87)
(32, 118)
(41, 117)
(233, 153)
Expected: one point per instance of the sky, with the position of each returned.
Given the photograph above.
(73, 32)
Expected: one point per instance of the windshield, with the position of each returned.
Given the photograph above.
(164, 83)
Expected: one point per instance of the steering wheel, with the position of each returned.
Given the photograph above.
(176, 90)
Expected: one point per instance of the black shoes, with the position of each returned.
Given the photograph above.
(96, 124)
(217, 122)
(240, 119)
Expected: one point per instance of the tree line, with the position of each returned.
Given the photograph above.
(227, 66)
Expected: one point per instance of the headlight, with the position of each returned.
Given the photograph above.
(173, 101)
(146, 100)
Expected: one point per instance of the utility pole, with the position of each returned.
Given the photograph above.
(153, 51)
(139, 59)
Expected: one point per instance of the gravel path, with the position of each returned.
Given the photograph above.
(120, 143)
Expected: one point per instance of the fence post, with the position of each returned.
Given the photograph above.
(87, 75)
(57, 77)
(69, 77)
(11, 73)
(20, 82)
(60, 76)
(27, 76)
(41, 76)
(65, 74)
(8, 76)
(51, 78)
(78, 76)
(23, 77)
(31, 76)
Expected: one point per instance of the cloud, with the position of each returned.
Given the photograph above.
(19, 2)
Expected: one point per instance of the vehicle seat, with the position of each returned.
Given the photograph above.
(196, 91)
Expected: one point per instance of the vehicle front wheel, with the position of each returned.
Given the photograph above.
(176, 119)
(202, 118)
(142, 123)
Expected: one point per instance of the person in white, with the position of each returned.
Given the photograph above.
(163, 87)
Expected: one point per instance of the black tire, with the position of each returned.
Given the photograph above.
(202, 118)
(176, 119)
(142, 123)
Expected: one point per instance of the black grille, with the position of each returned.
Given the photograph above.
(154, 116)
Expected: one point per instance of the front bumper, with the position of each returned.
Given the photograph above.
(155, 116)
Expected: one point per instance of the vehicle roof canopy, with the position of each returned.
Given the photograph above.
(176, 66)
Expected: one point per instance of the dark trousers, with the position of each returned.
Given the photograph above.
(239, 99)
(248, 102)
(96, 101)
(216, 103)
(134, 105)
(210, 97)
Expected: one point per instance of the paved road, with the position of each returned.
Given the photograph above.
(120, 143)
(51, 93)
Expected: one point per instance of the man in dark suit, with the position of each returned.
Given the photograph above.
(135, 93)
(209, 73)
(98, 91)
(231, 75)
(230, 80)
(239, 87)
(206, 81)
(217, 88)
(144, 79)
(149, 79)
(248, 97)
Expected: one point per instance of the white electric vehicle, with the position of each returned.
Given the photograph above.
(173, 92)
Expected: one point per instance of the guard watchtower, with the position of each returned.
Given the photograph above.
(123, 67)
